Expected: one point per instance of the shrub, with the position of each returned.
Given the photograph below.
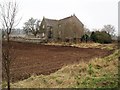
(101, 37)
(85, 37)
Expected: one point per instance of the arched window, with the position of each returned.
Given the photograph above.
(43, 26)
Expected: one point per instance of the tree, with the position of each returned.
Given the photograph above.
(85, 38)
(8, 13)
(93, 36)
(87, 31)
(101, 37)
(32, 26)
(109, 29)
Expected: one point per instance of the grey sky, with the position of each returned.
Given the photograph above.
(93, 13)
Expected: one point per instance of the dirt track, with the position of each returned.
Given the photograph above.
(42, 59)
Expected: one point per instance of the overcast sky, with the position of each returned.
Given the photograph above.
(92, 13)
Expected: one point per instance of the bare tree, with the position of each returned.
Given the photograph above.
(32, 26)
(87, 31)
(109, 29)
(94, 29)
(8, 13)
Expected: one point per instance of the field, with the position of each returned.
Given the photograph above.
(35, 59)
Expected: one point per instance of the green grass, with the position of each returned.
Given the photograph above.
(102, 73)
(97, 73)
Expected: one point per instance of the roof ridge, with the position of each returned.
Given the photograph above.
(59, 19)
(66, 18)
(51, 19)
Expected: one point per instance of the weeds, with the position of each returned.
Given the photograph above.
(90, 69)
(59, 81)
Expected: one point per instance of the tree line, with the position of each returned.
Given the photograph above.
(104, 35)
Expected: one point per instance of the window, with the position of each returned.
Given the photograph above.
(43, 26)
(59, 25)
(43, 34)
(59, 32)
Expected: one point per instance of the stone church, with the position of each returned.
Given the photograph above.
(69, 28)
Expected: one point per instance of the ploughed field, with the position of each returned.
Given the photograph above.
(35, 59)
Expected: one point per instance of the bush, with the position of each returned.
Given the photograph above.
(101, 37)
(85, 37)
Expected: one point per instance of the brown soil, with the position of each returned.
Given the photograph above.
(44, 59)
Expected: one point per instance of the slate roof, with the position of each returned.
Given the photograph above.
(50, 22)
(66, 18)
